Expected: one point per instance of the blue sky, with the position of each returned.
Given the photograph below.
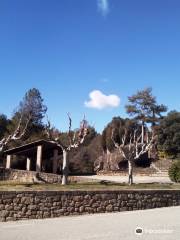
(71, 48)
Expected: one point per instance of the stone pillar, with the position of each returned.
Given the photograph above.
(28, 164)
(55, 161)
(39, 158)
(8, 161)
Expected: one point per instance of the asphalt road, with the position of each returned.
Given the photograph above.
(156, 224)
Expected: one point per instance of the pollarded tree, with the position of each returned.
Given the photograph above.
(144, 108)
(130, 145)
(117, 125)
(71, 140)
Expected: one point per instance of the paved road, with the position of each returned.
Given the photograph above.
(137, 179)
(157, 224)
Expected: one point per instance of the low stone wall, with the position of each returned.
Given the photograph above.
(24, 176)
(139, 171)
(28, 176)
(49, 204)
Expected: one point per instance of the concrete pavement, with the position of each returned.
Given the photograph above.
(156, 224)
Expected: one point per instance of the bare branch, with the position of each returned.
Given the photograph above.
(69, 132)
(144, 147)
(112, 138)
(70, 122)
(131, 138)
(75, 140)
(119, 147)
(74, 137)
(83, 130)
(48, 128)
(17, 131)
(16, 135)
(132, 149)
(123, 139)
(139, 138)
(135, 131)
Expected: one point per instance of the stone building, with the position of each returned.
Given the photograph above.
(39, 156)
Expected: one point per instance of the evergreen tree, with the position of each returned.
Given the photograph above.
(4, 122)
(169, 134)
(32, 105)
(144, 108)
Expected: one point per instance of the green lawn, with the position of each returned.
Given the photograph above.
(10, 186)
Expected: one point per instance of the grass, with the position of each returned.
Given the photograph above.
(101, 185)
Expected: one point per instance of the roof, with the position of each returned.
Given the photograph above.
(31, 147)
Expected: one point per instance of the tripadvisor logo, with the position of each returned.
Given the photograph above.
(138, 231)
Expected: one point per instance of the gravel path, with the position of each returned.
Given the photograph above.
(137, 179)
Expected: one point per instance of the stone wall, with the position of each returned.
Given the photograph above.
(48, 204)
(28, 176)
(137, 171)
(24, 176)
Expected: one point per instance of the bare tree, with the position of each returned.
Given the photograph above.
(75, 139)
(132, 148)
(18, 133)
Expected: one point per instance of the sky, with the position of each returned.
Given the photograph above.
(88, 56)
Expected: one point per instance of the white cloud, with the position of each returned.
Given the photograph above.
(98, 100)
(103, 6)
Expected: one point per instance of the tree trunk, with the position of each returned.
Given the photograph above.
(65, 168)
(154, 119)
(108, 155)
(142, 138)
(130, 172)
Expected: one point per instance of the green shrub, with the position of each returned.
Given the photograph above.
(163, 154)
(174, 171)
